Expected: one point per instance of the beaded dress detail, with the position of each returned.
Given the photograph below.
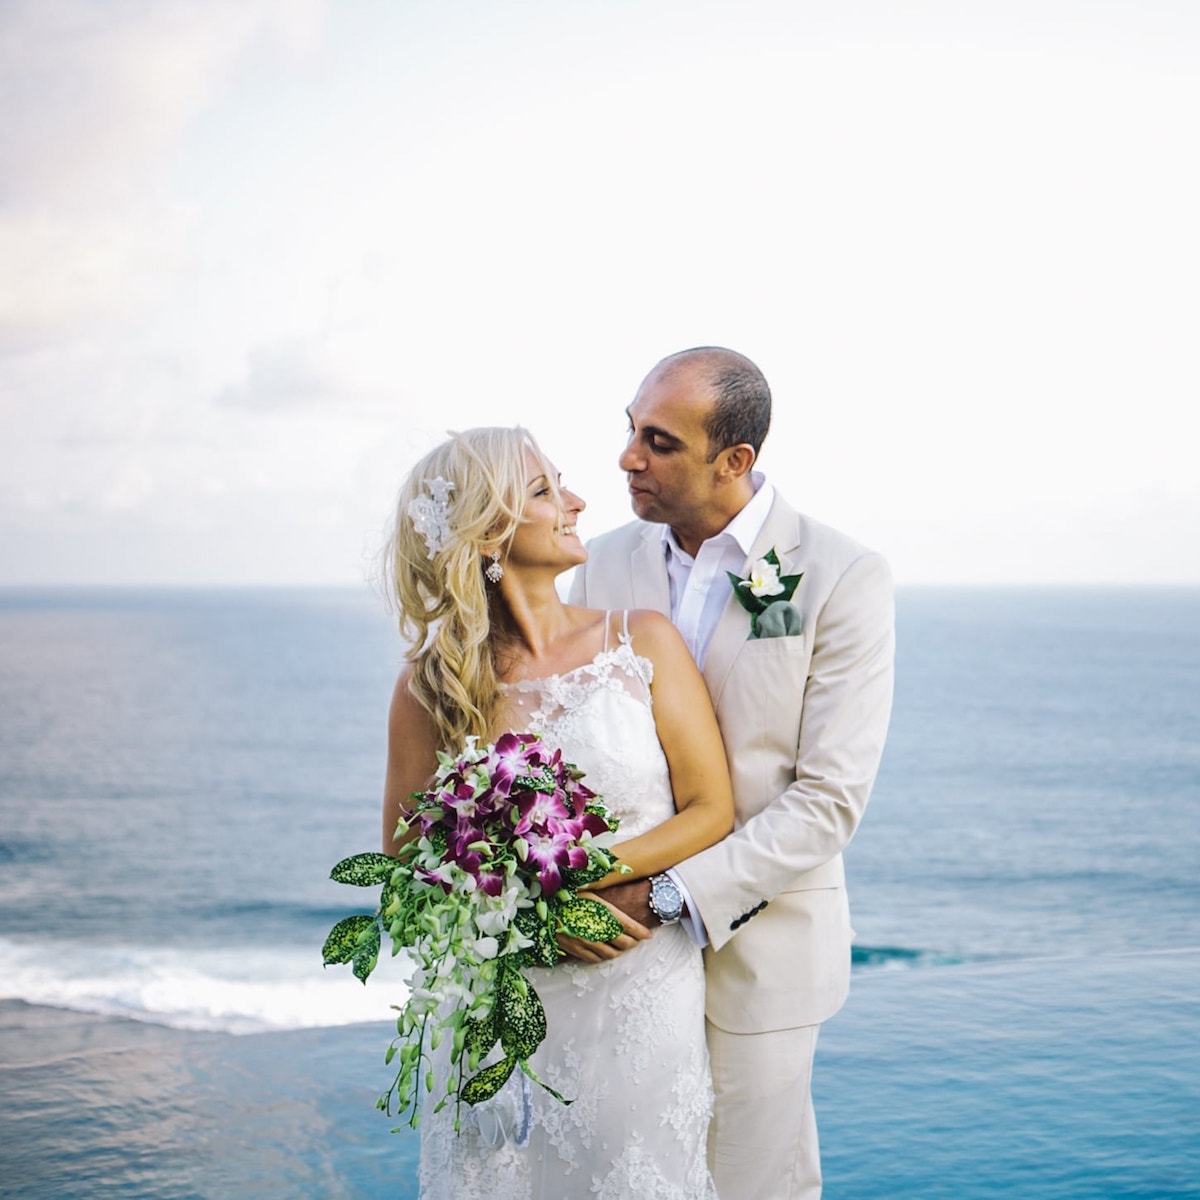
(626, 1037)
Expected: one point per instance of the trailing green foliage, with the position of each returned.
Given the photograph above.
(480, 889)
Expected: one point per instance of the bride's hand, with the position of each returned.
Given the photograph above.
(595, 952)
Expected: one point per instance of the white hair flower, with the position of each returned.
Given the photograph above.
(431, 514)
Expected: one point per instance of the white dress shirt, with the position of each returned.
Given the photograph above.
(699, 585)
(699, 590)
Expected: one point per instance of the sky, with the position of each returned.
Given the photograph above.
(257, 257)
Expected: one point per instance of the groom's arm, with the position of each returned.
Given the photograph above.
(846, 707)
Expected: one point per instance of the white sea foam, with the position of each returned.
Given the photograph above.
(245, 990)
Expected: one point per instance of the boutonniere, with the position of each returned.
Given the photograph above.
(764, 594)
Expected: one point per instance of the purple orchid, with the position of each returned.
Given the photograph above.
(539, 810)
(551, 852)
(516, 796)
(491, 882)
(514, 755)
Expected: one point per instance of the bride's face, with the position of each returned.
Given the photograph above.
(547, 535)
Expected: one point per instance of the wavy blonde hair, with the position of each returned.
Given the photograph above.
(455, 621)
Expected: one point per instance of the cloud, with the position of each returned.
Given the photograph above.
(283, 376)
(244, 270)
(91, 95)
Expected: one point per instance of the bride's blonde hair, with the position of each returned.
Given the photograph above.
(454, 619)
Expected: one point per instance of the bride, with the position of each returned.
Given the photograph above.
(483, 528)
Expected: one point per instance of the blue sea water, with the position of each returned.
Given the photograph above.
(179, 770)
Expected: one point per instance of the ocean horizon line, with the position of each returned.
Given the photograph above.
(113, 588)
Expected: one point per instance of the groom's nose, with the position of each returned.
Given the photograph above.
(630, 460)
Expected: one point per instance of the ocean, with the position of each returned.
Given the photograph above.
(180, 769)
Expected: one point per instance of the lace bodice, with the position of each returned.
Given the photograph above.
(601, 717)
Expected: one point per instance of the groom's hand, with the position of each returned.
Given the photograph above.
(594, 952)
(632, 900)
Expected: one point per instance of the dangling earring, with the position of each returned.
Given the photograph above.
(494, 571)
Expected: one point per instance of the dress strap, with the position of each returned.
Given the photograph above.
(607, 622)
(625, 628)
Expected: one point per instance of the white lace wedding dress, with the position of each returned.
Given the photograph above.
(626, 1037)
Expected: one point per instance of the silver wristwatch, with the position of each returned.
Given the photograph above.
(666, 900)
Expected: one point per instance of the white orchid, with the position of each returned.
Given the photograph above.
(486, 947)
(764, 579)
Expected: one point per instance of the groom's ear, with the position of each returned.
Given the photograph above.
(734, 461)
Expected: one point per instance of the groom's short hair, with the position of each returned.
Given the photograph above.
(741, 411)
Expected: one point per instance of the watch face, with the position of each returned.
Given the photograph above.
(668, 901)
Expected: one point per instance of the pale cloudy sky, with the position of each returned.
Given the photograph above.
(256, 256)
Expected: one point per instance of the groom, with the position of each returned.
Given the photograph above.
(803, 700)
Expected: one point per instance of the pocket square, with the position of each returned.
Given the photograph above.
(779, 619)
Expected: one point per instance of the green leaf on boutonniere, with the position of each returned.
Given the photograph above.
(765, 587)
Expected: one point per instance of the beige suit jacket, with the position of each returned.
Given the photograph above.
(803, 719)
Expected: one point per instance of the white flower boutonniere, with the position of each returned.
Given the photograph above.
(765, 594)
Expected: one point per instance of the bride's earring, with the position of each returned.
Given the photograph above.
(494, 571)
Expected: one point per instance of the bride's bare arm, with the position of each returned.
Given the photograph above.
(411, 759)
(687, 730)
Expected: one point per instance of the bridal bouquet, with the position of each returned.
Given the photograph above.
(502, 842)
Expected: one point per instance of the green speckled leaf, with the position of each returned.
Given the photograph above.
(544, 951)
(589, 920)
(342, 942)
(481, 1033)
(488, 1082)
(580, 877)
(540, 781)
(364, 870)
(367, 954)
(522, 1017)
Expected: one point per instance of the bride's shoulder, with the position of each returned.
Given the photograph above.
(649, 622)
(407, 715)
(653, 635)
(654, 638)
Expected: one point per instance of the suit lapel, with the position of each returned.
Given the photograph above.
(648, 569)
(781, 530)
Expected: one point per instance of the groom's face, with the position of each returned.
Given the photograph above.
(666, 460)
